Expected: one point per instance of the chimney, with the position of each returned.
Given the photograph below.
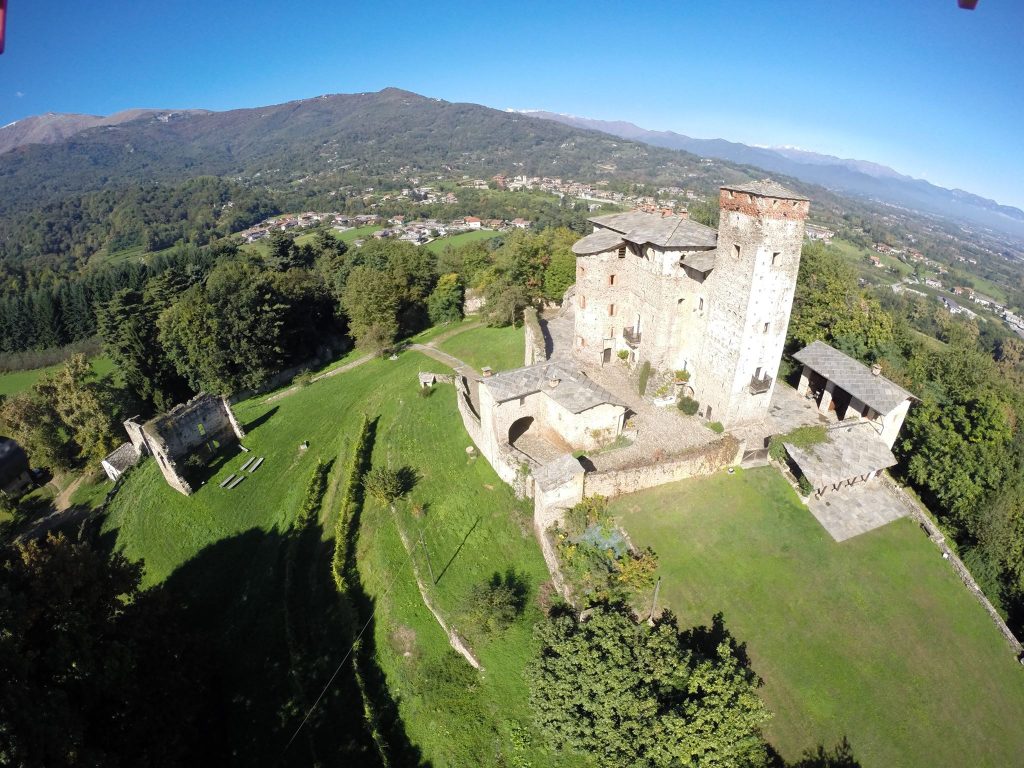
(876, 370)
(684, 214)
(553, 382)
(486, 371)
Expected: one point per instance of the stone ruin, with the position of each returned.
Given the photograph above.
(205, 423)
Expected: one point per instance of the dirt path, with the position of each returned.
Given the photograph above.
(63, 499)
(326, 375)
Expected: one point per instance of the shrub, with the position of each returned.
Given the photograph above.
(801, 437)
(623, 354)
(497, 603)
(303, 379)
(805, 486)
(592, 510)
(645, 374)
(688, 405)
(682, 375)
(716, 426)
(384, 484)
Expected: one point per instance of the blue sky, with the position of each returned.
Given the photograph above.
(931, 90)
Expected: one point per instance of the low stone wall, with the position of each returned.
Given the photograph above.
(696, 462)
(536, 350)
(917, 513)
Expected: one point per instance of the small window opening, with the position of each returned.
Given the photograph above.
(611, 279)
(611, 310)
(700, 303)
(736, 251)
(766, 327)
(775, 258)
(622, 252)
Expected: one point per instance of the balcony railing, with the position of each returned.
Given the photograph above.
(760, 386)
(631, 336)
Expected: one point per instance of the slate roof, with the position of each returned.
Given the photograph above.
(557, 473)
(765, 188)
(852, 376)
(663, 231)
(574, 391)
(598, 241)
(849, 452)
(122, 457)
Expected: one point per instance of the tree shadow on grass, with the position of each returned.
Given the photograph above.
(840, 756)
(267, 607)
(260, 420)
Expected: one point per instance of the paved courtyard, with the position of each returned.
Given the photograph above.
(856, 509)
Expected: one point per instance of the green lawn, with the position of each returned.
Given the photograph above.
(222, 551)
(18, 381)
(500, 348)
(875, 638)
(437, 246)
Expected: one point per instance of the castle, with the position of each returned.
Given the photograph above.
(682, 296)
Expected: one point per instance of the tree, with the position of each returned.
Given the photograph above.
(633, 694)
(445, 303)
(96, 671)
(36, 426)
(828, 305)
(371, 301)
(85, 407)
(228, 333)
(559, 275)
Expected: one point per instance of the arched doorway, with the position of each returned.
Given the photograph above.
(519, 428)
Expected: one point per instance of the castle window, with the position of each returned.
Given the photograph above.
(611, 279)
(583, 301)
(700, 303)
(622, 252)
(582, 342)
(775, 258)
(766, 327)
(580, 271)
(736, 251)
(611, 310)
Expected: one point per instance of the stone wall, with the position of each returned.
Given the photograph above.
(750, 295)
(203, 423)
(697, 462)
(536, 349)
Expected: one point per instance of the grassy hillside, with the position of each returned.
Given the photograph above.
(221, 552)
(874, 639)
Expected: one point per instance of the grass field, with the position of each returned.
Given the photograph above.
(437, 246)
(221, 551)
(875, 638)
(500, 348)
(18, 381)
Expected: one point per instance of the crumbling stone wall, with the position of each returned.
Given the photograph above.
(204, 423)
(536, 350)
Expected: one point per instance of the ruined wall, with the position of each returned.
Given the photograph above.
(507, 462)
(202, 423)
(700, 461)
(536, 350)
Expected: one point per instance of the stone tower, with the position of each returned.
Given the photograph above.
(750, 295)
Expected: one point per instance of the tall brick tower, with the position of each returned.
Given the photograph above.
(750, 295)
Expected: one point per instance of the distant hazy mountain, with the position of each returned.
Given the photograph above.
(858, 177)
(52, 127)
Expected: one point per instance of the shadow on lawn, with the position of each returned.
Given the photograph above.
(277, 634)
(260, 420)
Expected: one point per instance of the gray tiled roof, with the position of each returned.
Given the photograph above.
(765, 188)
(557, 473)
(702, 261)
(848, 453)
(853, 377)
(123, 457)
(663, 231)
(574, 391)
(598, 241)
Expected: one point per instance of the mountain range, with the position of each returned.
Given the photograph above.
(845, 176)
